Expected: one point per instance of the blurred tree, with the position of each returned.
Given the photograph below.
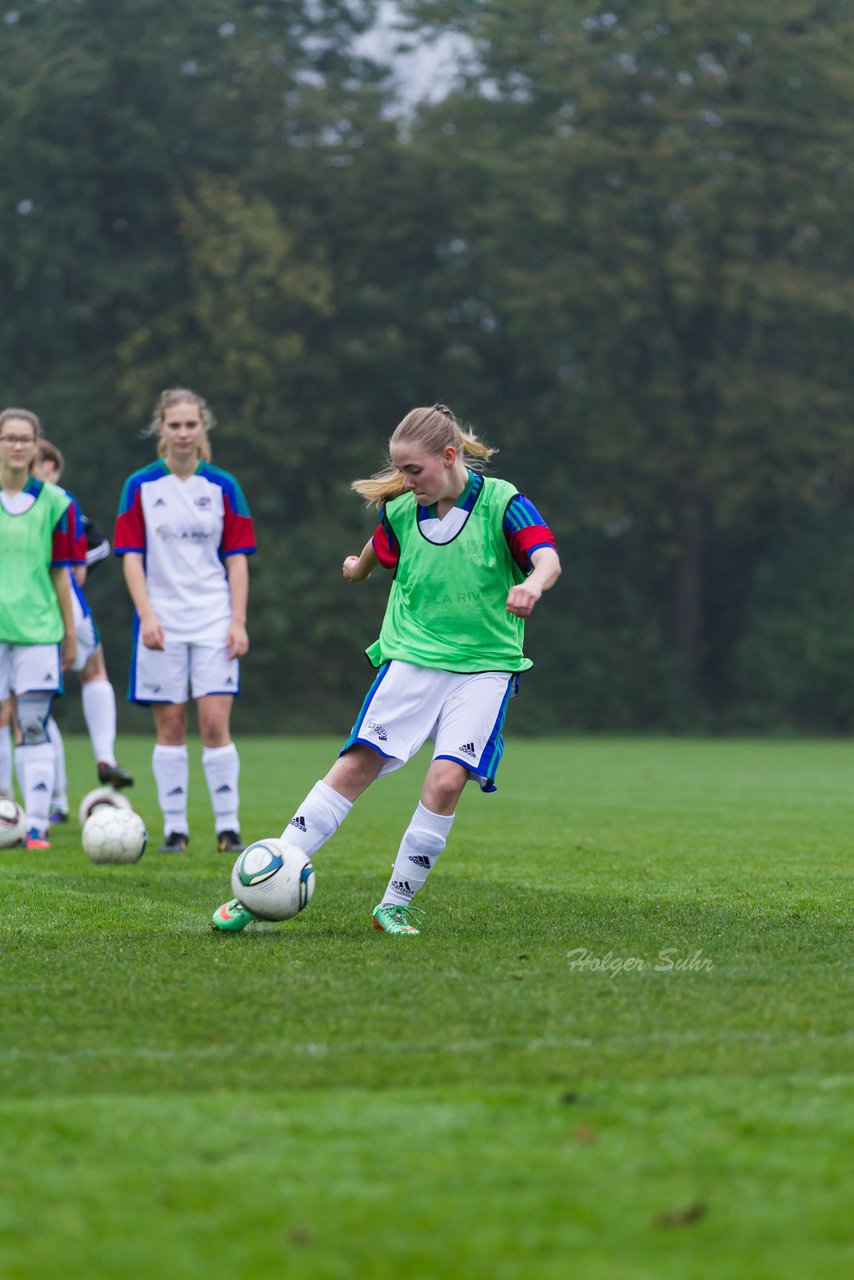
(651, 261)
(792, 661)
(620, 248)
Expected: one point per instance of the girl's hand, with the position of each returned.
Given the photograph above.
(151, 632)
(522, 598)
(68, 650)
(358, 568)
(236, 640)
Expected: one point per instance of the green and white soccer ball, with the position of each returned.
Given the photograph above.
(113, 834)
(13, 823)
(101, 796)
(273, 879)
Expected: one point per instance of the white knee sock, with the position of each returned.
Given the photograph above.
(171, 767)
(99, 711)
(59, 797)
(423, 841)
(222, 769)
(35, 765)
(6, 761)
(318, 817)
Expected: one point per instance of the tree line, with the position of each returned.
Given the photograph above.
(618, 246)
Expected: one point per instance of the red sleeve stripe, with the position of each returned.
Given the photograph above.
(524, 542)
(65, 543)
(62, 548)
(386, 546)
(238, 532)
(80, 544)
(130, 528)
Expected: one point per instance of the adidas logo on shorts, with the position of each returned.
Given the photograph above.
(468, 750)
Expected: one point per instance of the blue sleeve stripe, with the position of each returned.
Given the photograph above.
(521, 514)
(135, 482)
(125, 501)
(229, 485)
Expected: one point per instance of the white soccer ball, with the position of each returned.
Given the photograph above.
(13, 823)
(101, 795)
(273, 879)
(114, 835)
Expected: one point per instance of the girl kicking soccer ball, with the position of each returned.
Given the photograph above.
(471, 558)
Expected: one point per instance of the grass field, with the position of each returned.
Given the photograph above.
(620, 1048)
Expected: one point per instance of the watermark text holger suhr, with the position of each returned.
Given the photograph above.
(668, 960)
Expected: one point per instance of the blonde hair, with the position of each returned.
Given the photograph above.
(434, 429)
(165, 401)
(26, 414)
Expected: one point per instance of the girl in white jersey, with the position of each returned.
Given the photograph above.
(471, 557)
(37, 638)
(184, 532)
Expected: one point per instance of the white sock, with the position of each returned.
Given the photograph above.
(6, 761)
(318, 817)
(99, 712)
(59, 797)
(35, 765)
(222, 769)
(171, 767)
(423, 841)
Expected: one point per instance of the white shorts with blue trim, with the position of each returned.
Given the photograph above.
(182, 668)
(86, 632)
(30, 668)
(462, 714)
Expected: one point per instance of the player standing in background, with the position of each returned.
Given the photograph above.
(97, 693)
(38, 540)
(184, 532)
(471, 558)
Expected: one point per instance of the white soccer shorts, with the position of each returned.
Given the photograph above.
(183, 667)
(463, 714)
(86, 632)
(30, 668)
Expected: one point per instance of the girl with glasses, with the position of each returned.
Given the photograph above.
(38, 541)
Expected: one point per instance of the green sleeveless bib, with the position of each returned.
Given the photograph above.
(29, 609)
(446, 608)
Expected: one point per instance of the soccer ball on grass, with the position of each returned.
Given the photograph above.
(101, 796)
(13, 823)
(273, 879)
(114, 835)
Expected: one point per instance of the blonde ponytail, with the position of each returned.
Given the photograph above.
(434, 429)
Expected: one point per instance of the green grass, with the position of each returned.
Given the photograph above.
(526, 1091)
